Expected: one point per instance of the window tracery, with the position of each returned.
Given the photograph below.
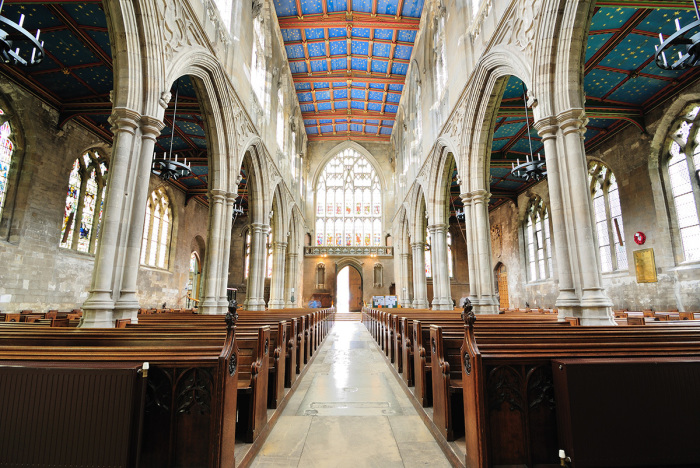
(157, 230)
(428, 256)
(258, 63)
(608, 217)
(682, 167)
(538, 251)
(82, 216)
(7, 149)
(348, 202)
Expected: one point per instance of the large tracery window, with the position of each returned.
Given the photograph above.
(6, 150)
(428, 256)
(348, 202)
(269, 257)
(608, 217)
(82, 215)
(538, 250)
(280, 119)
(440, 55)
(684, 179)
(156, 230)
(257, 63)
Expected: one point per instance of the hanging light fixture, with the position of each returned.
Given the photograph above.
(532, 169)
(237, 209)
(17, 45)
(682, 47)
(168, 167)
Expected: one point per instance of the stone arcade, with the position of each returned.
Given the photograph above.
(373, 135)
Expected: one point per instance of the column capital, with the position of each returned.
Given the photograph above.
(124, 120)
(404, 254)
(217, 195)
(151, 127)
(231, 198)
(572, 120)
(546, 127)
(259, 227)
(418, 245)
(480, 195)
(437, 228)
(279, 245)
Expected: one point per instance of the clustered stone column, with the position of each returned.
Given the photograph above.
(481, 284)
(255, 295)
(279, 253)
(580, 282)
(212, 270)
(117, 259)
(420, 286)
(404, 296)
(442, 295)
(290, 278)
(225, 257)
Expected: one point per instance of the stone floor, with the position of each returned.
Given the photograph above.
(349, 410)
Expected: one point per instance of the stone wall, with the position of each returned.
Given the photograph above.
(35, 272)
(634, 162)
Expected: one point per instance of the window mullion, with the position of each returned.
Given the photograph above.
(609, 224)
(84, 174)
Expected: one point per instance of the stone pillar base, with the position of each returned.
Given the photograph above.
(442, 305)
(589, 316)
(276, 304)
(130, 311)
(210, 307)
(254, 304)
(420, 305)
(97, 318)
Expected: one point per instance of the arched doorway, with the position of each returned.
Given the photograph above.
(349, 290)
(502, 286)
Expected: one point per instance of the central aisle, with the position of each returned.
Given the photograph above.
(349, 410)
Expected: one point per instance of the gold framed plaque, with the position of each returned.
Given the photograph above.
(645, 266)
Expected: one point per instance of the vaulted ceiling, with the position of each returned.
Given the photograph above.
(349, 60)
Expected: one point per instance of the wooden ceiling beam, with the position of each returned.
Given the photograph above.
(349, 114)
(79, 33)
(360, 77)
(616, 39)
(343, 20)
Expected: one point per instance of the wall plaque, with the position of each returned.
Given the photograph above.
(645, 266)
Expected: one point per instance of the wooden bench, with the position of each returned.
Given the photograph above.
(190, 406)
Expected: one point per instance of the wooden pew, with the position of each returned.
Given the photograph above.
(189, 411)
(508, 391)
(253, 362)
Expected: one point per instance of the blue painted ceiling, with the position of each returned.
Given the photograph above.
(349, 60)
(621, 82)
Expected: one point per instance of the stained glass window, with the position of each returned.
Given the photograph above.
(6, 150)
(280, 119)
(156, 231)
(685, 184)
(269, 257)
(246, 265)
(82, 214)
(608, 217)
(538, 251)
(428, 257)
(257, 63)
(450, 265)
(440, 56)
(348, 202)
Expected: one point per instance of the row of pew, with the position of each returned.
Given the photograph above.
(520, 388)
(171, 390)
(52, 318)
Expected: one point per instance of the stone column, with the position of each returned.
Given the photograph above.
(404, 297)
(290, 278)
(212, 269)
(226, 249)
(279, 253)
(255, 293)
(442, 295)
(420, 287)
(482, 290)
(98, 308)
(127, 305)
(567, 298)
(595, 307)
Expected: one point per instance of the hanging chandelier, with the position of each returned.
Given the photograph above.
(683, 46)
(17, 45)
(168, 167)
(532, 170)
(237, 209)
